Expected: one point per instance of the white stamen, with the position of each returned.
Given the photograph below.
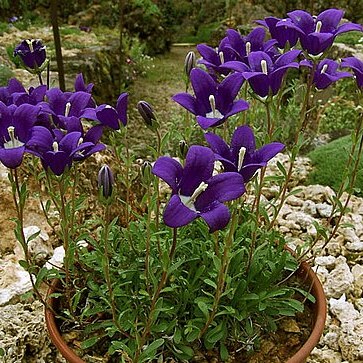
(80, 141)
(189, 201)
(318, 26)
(264, 66)
(248, 48)
(30, 43)
(325, 67)
(221, 57)
(212, 102)
(13, 142)
(55, 146)
(68, 108)
(214, 113)
(241, 156)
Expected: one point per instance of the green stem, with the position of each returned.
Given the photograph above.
(19, 203)
(222, 273)
(163, 279)
(107, 271)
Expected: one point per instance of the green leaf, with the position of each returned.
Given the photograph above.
(204, 308)
(211, 283)
(90, 342)
(183, 352)
(223, 352)
(150, 350)
(118, 346)
(216, 334)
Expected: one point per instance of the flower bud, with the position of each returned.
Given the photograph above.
(147, 113)
(105, 181)
(189, 63)
(183, 148)
(146, 172)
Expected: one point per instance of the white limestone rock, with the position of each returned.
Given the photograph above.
(57, 259)
(309, 207)
(343, 310)
(23, 336)
(14, 280)
(324, 209)
(324, 355)
(326, 261)
(339, 280)
(40, 248)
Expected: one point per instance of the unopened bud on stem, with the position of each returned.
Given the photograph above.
(148, 115)
(106, 181)
(183, 148)
(146, 171)
(189, 63)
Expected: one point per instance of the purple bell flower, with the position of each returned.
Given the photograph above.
(326, 73)
(241, 156)
(108, 115)
(15, 130)
(254, 41)
(357, 66)
(280, 32)
(57, 151)
(214, 59)
(263, 73)
(213, 102)
(31, 52)
(195, 191)
(317, 34)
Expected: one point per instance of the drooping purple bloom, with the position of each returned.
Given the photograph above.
(108, 115)
(56, 150)
(195, 192)
(280, 32)
(263, 73)
(317, 34)
(213, 102)
(31, 52)
(244, 45)
(15, 130)
(241, 156)
(357, 66)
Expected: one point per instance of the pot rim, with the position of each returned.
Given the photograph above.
(305, 272)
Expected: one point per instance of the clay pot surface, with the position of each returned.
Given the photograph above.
(305, 272)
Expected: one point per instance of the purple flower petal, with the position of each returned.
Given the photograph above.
(217, 144)
(169, 170)
(303, 19)
(176, 214)
(222, 187)
(121, 107)
(199, 165)
(13, 157)
(217, 217)
(187, 101)
(330, 19)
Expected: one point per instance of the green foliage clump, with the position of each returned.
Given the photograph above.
(329, 162)
(5, 74)
(342, 111)
(350, 38)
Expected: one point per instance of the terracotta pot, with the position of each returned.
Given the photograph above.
(304, 272)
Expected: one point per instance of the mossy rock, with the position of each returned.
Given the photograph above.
(329, 163)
